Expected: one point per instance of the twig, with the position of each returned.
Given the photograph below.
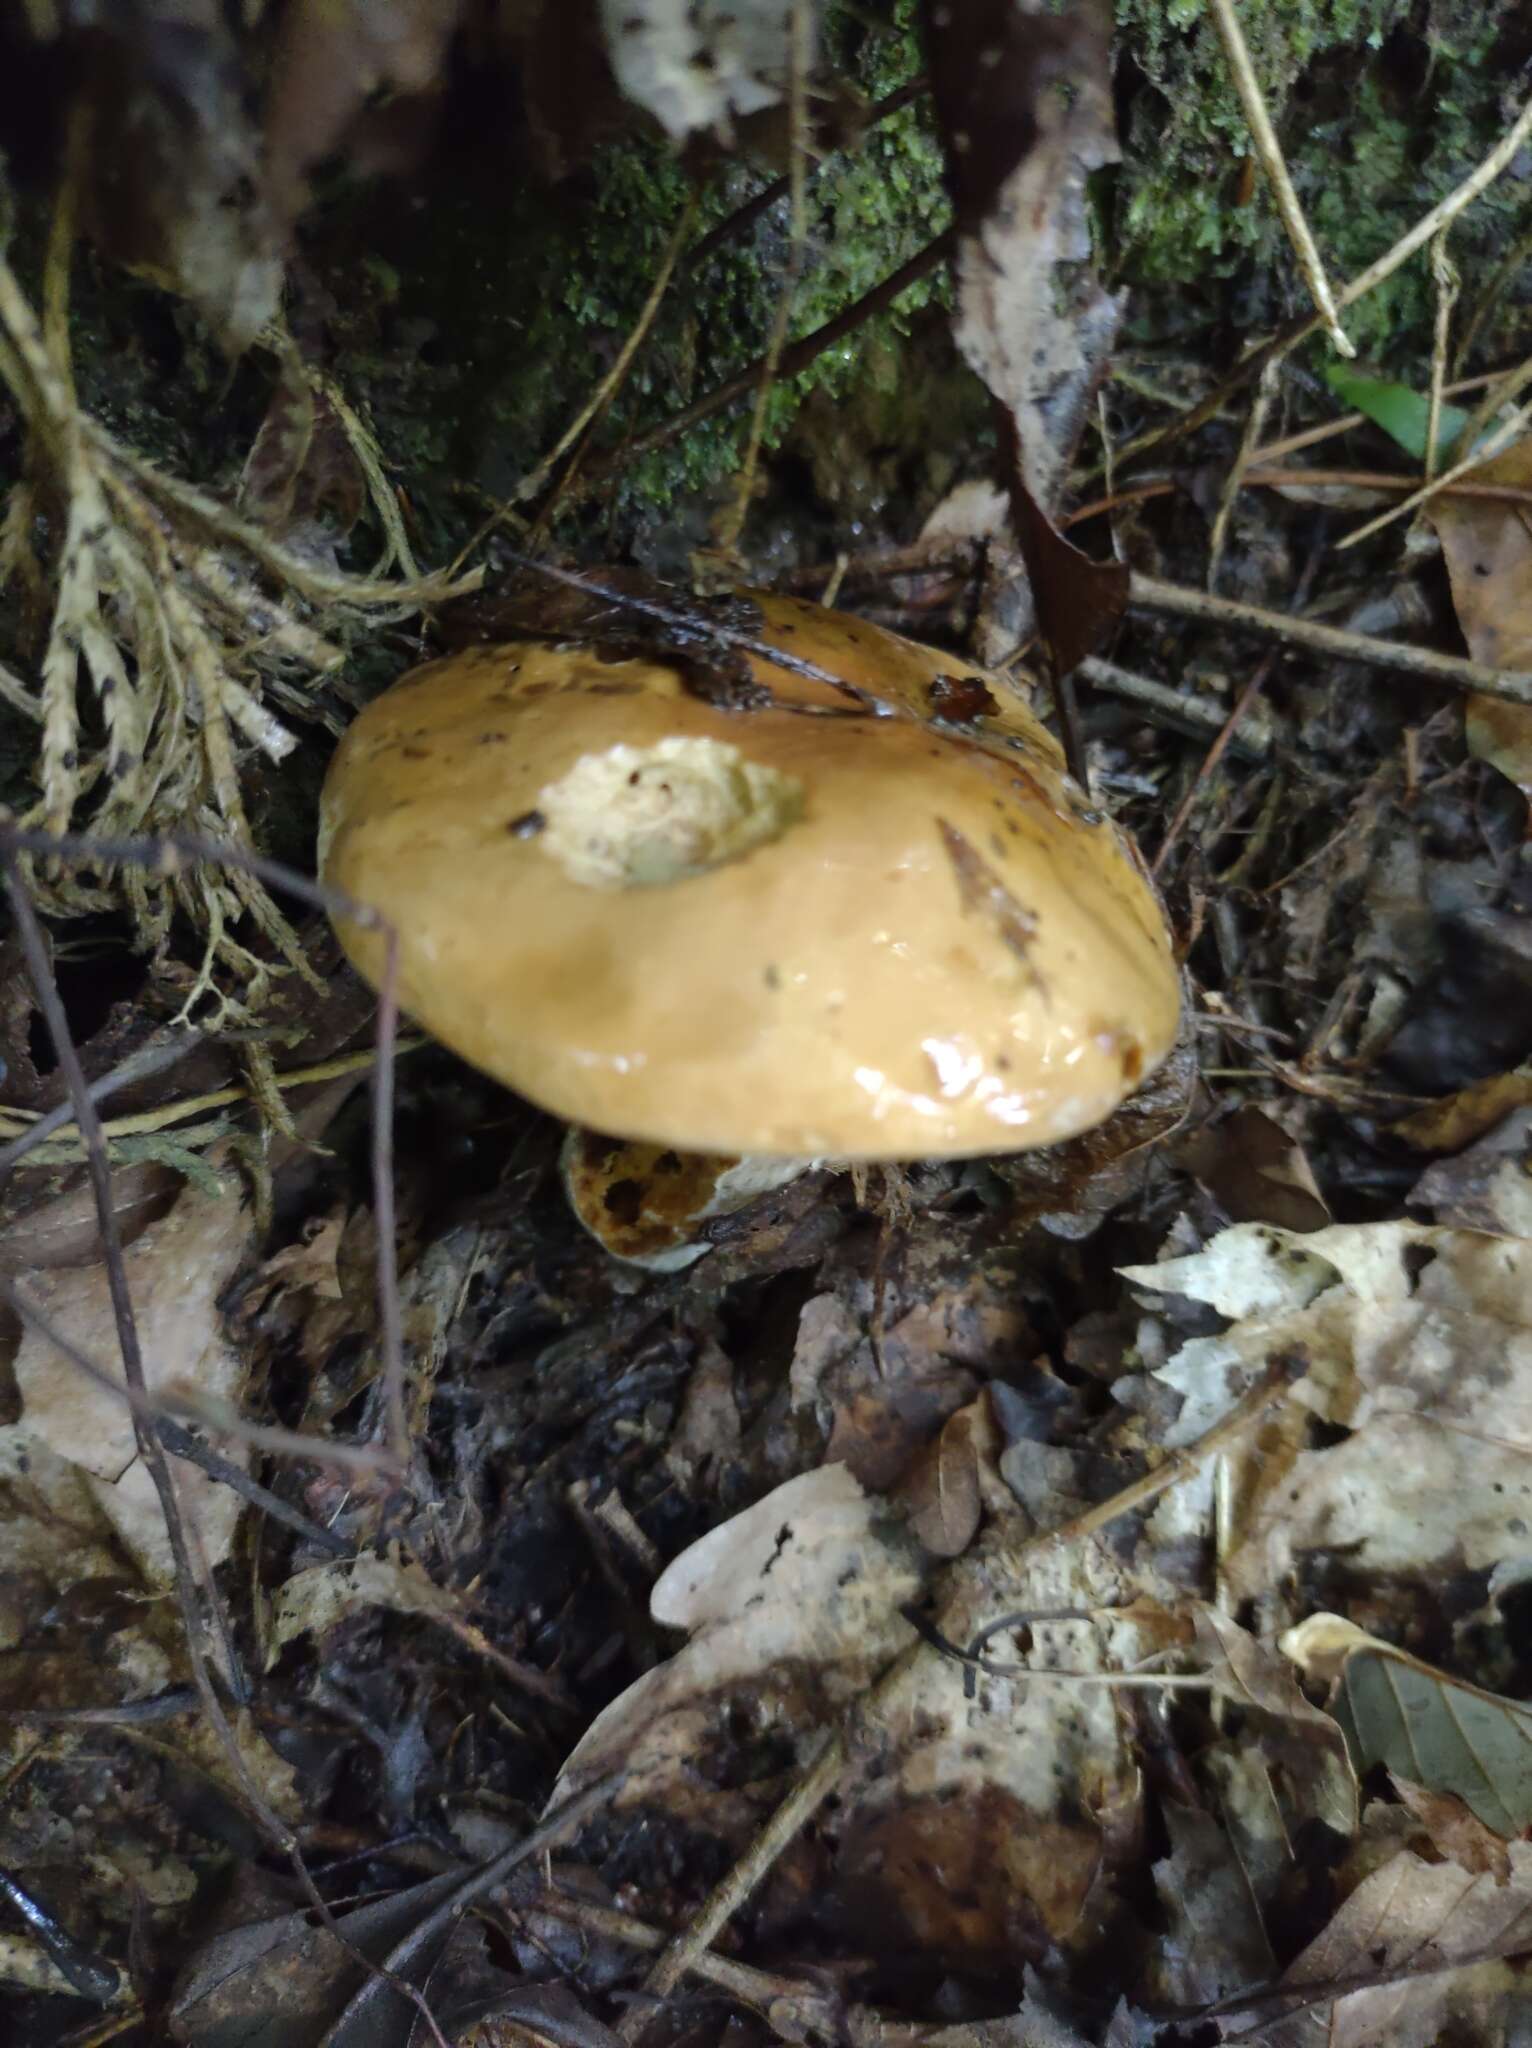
(445, 1914)
(1429, 224)
(1269, 150)
(1445, 275)
(168, 856)
(146, 1122)
(180, 1443)
(759, 1989)
(762, 202)
(727, 636)
(1328, 429)
(1386, 480)
(1150, 594)
(1214, 755)
(822, 1777)
(794, 358)
(1247, 697)
(1233, 482)
(1182, 710)
(139, 1066)
(12, 843)
(590, 413)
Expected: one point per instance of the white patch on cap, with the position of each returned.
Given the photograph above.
(636, 816)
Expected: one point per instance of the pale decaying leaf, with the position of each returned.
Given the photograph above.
(315, 1599)
(176, 1269)
(981, 1819)
(1414, 1341)
(1423, 1724)
(701, 63)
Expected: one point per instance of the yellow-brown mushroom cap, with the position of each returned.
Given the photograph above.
(794, 928)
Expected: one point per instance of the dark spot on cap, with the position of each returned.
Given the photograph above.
(624, 1199)
(528, 825)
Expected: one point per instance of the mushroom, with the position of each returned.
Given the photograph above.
(852, 909)
(647, 1204)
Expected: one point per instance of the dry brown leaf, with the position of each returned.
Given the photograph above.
(176, 1269)
(1487, 544)
(314, 1600)
(1257, 1172)
(1214, 1944)
(980, 1824)
(1455, 1121)
(1024, 99)
(1455, 1832)
(1305, 1746)
(943, 1494)
(1500, 733)
(1423, 1921)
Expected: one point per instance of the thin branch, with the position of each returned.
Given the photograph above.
(167, 856)
(1264, 135)
(800, 23)
(139, 1066)
(1150, 594)
(1186, 711)
(795, 358)
(149, 1121)
(746, 216)
(1444, 273)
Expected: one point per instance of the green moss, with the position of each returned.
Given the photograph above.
(525, 300)
(1383, 106)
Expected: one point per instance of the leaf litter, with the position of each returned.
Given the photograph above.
(919, 1596)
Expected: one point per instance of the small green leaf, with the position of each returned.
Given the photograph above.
(1395, 408)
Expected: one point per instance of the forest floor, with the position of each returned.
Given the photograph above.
(1073, 1596)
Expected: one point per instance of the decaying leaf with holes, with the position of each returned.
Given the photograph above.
(1400, 1457)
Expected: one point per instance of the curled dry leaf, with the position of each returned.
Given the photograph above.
(944, 1493)
(1214, 1943)
(1417, 1348)
(1458, 1119)
(1023, 98)
(1423, 1724)
(177, 1269)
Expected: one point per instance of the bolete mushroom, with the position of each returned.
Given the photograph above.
(741, 911)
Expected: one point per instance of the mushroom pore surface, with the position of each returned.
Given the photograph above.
(794, 927)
